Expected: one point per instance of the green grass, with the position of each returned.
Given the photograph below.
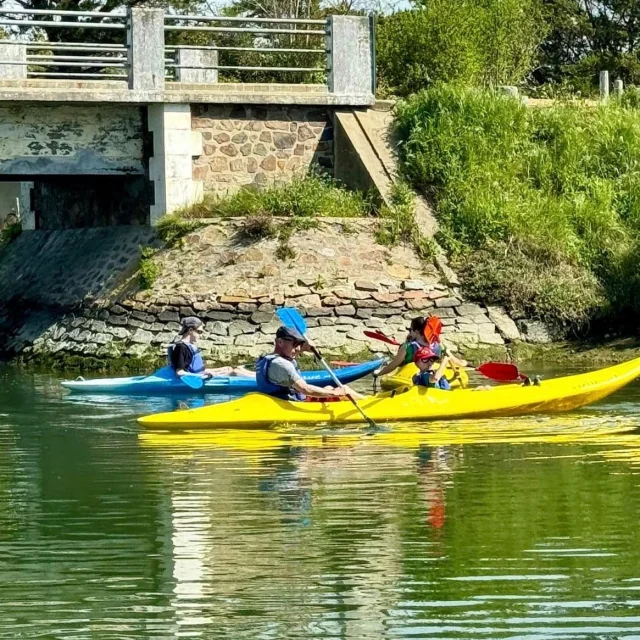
(312, 196)
(539, 207)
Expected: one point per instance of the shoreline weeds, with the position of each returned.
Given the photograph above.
(583, 353)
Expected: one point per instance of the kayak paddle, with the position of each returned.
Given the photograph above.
(499, 371)
(192, 380)
(292, 319)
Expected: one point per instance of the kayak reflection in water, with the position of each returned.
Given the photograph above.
(278, 374)
(185, 357)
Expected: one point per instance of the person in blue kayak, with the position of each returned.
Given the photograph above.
(431, 373)
(185, 357)
(278, 375)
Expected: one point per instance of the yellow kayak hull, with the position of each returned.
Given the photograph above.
(403, 377)
(408, 404)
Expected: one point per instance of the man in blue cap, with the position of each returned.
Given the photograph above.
(278, 375)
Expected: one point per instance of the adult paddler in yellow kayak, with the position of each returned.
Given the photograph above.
(424, 332)
(278, 375)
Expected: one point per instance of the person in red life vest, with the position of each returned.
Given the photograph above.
(278, 375)
(431, 374)
(185, 357)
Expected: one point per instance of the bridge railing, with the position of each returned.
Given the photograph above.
(147, 48)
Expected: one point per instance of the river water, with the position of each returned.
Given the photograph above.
(520, 528)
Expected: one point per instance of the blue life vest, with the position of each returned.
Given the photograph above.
(268, 387)
(422, 379)
(197, 362)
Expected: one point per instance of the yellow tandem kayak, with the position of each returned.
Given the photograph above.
(409, 403)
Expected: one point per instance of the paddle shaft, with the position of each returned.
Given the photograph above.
(324, 363)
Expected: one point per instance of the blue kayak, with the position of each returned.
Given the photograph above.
(164, 381)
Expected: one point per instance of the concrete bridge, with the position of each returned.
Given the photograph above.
(138, 121)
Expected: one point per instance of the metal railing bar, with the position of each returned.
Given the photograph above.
(62, 64)
(241, 19)
(296, 32)
(53, 74)
(52, 23)
(229, 68)
(70, 47)
(77, 58)
(257, 49)
(53, 12)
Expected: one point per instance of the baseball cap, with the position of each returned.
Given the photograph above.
(289, 334)
(424, 353)
(190, 323)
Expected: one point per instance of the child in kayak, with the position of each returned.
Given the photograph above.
(431, 374)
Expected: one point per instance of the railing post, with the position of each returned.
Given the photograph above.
(13, 53)
(197, 66)
(604, 86)
(618, 88)
(145, 49)
(350, 59)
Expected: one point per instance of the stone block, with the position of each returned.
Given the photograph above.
(260, 317)
(223, 316)
(169, 316)
(238, 327)
(352, 294)
(118, 320)
(314, 312)
(386, 298)
(413, 285)
(217, 328)
(117, 310)
(419, 304)
(142, 337)
(447, 303)
(345, 310)
(468, 309)
(118, 332)
(364, 314)
(505, 325)
(534, 331)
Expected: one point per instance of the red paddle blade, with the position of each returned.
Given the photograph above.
(501, 371)
(433, 329)
(378, 335)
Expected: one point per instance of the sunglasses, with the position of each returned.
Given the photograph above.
(296, 343)
(427, 359)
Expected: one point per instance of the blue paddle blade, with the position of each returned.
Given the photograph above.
(193, 381)
(292, 319)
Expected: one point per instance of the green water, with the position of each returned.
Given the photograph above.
(524, 528)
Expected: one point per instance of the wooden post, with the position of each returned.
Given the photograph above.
(604, 86)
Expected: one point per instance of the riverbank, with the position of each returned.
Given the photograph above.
(337, 274)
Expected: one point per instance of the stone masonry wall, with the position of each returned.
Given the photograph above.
(259, 145)
(341, 280)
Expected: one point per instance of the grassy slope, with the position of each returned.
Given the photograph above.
(540, 208)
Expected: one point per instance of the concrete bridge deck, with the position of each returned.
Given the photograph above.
(92, 91)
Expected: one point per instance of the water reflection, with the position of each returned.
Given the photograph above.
(521, 528)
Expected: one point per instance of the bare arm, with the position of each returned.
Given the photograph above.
(324, 392)
(441, 370)
(397, 361)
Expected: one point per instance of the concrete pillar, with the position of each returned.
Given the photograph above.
(197, 66)
(27, 215)
(171, 166)
(618, 88)
(604, 86)
(145, 49)
(350, 57)
(13, 53)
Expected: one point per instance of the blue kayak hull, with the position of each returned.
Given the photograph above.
(164, 382)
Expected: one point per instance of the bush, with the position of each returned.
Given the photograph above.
(539, 207)
(172, 228)
(458, 41)
(149, 268)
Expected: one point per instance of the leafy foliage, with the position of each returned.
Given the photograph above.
(539, 207)
(149, 268)
(461, 41)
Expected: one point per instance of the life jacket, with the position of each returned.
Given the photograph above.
(197, 362)
(268, 387)
(411, 346)
(422, 379)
